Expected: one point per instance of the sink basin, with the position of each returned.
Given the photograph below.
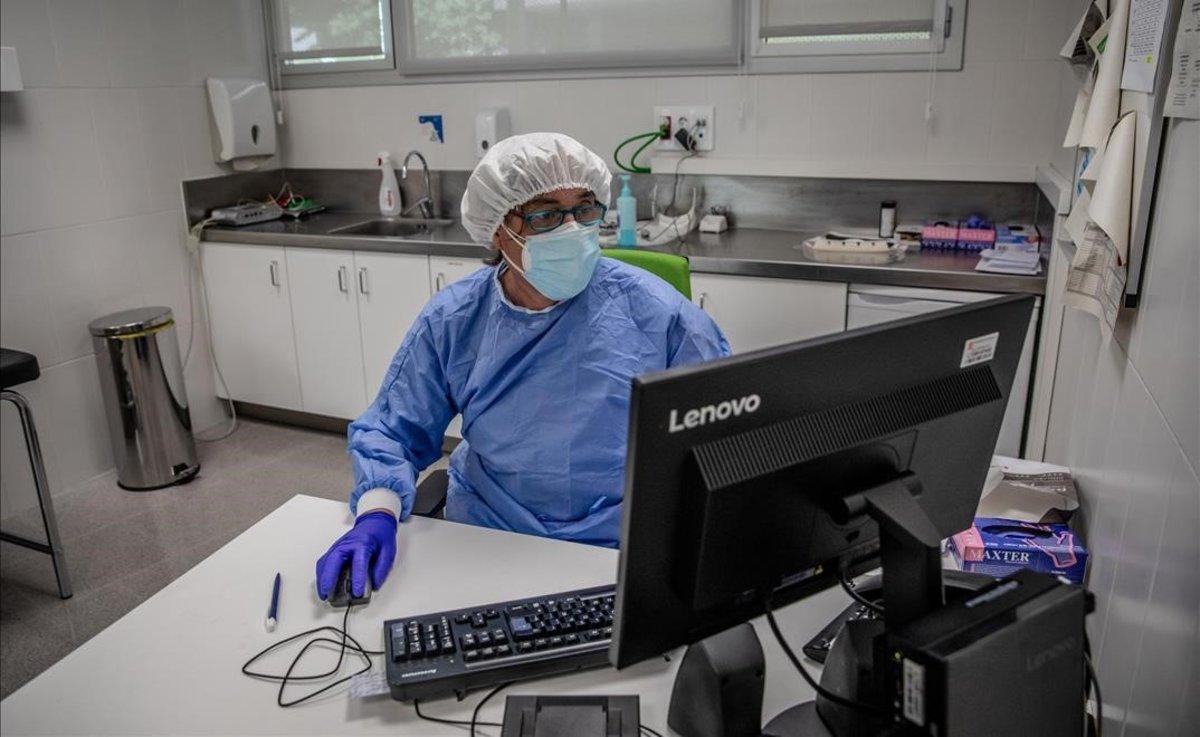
(392, 227)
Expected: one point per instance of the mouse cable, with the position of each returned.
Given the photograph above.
(345, 643)
(647, 730)
(828, 695)
(848, 585)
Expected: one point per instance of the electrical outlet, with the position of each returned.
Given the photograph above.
(698, 119)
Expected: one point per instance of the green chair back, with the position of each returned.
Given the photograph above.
(672, 269)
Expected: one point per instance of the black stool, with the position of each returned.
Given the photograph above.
(17, 368)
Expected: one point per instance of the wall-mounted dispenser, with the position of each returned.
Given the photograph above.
(491, 125)
(243, 121)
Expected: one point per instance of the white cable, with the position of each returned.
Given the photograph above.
(931, 84)
(196, 267)
(691, 136)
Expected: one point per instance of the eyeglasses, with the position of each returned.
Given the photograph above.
(544, 220)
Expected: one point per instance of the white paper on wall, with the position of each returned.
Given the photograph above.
(1106, 94)
(1113, 194)
(1091, 172)
(1183, 93)
(1077, 49)
(1077, 219)
(1096, 280)
(1142, 43)
(1083, 99)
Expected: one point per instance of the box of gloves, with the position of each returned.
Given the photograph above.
(998, 547)
(1017, 237)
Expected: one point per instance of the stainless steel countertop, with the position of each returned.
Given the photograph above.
(740, 251)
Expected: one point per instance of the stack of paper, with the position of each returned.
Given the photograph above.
(1010, 261)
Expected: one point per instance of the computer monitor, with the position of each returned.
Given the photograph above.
(781, 469)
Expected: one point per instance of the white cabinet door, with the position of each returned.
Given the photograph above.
(328, 346)
(756, 312)
(444, 270)
(870, 304)
(392, 290)
(252, 323)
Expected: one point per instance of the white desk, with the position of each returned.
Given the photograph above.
(172, 665)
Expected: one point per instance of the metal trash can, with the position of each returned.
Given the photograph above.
(141, 380)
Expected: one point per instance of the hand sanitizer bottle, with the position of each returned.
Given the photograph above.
(627, 216)
(389, 191)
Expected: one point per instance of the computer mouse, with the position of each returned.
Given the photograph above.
(342, 596)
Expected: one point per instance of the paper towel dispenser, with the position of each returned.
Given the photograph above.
(243, 120)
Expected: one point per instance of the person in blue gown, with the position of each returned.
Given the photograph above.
(536, 351)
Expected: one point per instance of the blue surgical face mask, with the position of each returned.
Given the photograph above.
(559, 264)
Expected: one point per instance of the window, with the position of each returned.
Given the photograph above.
(332, 35)
(855, 35)
(350, 42)
(538, 35)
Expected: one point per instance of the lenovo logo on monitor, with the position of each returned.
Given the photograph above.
(713, 413)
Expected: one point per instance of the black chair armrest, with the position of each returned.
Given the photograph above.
(431, 495)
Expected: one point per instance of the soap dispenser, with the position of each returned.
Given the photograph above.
(389, 191)
(627, 216)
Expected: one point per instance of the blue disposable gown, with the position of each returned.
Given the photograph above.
(544, 398)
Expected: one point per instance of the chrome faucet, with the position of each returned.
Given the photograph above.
(425, 204)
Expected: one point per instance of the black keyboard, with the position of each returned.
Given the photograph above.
(444, 653)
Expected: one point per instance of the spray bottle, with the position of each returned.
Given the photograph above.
(627, 216)
(389, 191)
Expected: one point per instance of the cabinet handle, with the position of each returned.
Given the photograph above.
(274, 273)
(342, 279)
(362, 280)
(439, 282)
(703, 297)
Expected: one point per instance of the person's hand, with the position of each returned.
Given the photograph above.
(370, 543)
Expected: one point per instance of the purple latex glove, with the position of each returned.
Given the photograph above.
(371, 542)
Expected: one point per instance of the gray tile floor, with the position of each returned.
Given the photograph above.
(123, 546)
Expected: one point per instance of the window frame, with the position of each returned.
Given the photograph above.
(743, 60)
(859, 56)
(280, 58)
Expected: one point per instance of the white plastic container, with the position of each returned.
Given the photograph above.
(389, 191)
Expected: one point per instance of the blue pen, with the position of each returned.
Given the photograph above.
(273, 612)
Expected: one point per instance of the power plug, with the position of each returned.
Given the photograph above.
(685, 139)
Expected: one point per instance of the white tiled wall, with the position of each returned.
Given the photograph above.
(1126, 418)
(1006, 110)
(112, 118)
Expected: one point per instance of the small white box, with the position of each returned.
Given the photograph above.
(491, 126)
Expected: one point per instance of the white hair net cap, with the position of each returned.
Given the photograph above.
(522, 167)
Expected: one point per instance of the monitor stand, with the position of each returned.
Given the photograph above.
(910, 551)
(912, 586)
